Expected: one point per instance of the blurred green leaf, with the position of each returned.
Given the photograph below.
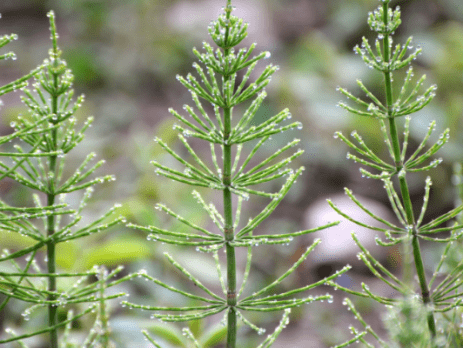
(66, 255)
(139, 210)
(115, 252)
(12, 240)
(168, 332)
(196, 327)
(215, 336)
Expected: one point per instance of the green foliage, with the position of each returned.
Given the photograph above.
(220, 86)
(413, 319)
(43, 139)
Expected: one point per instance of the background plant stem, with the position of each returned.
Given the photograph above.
(403, 182)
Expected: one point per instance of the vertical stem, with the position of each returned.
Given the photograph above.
(229, 232)
(403, 182)
(51, 260)
(229, 235)
(227, 202)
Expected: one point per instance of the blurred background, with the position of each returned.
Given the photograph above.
(125, 55)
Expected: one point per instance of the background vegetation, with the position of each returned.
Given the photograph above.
(125, 55)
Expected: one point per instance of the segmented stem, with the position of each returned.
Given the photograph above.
(403, 182)
(51, 260)
(229, 233)
(228, 208)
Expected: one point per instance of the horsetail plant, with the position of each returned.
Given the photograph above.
(434, 299)
(220, 86)
(43, 139)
